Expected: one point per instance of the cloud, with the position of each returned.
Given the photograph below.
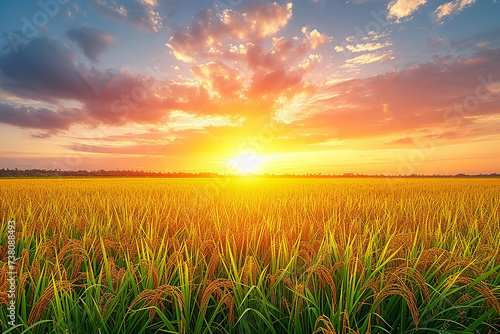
(220, 79)
(367, 58)
(311, 62)
(246, 82)
(314, 38)
(227, 139)
(404, 140)
(128, 98)
(283, 51)
(183, 142)
(386, 105)
(443, 137)
(440, 94)
(211, 27)
(151, 135)
(43, 72)
(372, 41)
(274, 83)
(366, 47)
(452, 8)
(402, 8)
(489, 38)
(41, 118)
(91, 41)
(140, 13)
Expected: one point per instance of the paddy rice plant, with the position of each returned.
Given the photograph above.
(252, 255)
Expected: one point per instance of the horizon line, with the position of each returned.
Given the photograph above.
(38, 172)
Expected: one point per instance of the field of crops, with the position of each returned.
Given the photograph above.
(251, 255)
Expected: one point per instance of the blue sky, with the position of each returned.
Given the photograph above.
(412, 37)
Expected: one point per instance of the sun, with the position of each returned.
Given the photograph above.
(245, 163)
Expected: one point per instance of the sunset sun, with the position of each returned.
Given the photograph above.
(245, 163)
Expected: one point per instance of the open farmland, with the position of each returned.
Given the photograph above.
(252, 255)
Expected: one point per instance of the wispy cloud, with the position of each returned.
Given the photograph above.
(367, 58)
(452, 8)
(367, 47)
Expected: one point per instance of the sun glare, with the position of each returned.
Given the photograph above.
(246, 163)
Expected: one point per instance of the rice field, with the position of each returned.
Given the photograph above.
(251, 255)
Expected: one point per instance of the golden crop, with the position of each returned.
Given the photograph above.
(254, 255)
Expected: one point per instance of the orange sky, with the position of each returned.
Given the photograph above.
(262, 87)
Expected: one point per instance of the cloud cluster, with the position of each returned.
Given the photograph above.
(252, 84)
(420, 99)
(442, 94)
(248, 75)
(211, 27)
(44, 72)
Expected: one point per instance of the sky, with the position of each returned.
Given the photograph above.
(235, 86)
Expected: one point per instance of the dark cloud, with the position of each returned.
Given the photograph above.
(41, 71)
(489, 38)
(91, 41)
(477, 42)
(128, 97)
(41, 118)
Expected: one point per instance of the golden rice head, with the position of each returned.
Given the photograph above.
(328, 329)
